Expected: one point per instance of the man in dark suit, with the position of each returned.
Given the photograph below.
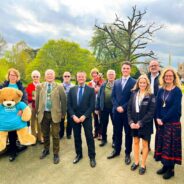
(81, 104)
(153, 76)
(120, 96)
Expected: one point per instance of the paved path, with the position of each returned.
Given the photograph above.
(29, 169)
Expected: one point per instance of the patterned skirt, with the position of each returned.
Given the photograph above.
(168, 144)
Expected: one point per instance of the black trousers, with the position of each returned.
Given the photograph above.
(120, 122)
(104, 117)
(12, 142)
(87, 125)
(68, 127)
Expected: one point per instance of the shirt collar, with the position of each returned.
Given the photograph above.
(126, 77)
(155, 75)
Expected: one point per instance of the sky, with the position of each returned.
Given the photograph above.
(37, 21)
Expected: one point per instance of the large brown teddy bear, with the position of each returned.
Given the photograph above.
(10, 119)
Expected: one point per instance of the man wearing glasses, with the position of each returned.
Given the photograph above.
(67, 85)
(153, 76)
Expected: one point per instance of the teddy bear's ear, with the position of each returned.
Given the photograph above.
(19, 93)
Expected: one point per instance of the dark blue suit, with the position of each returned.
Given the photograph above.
(120, 97)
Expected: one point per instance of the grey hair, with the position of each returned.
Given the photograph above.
(35, 72)
(108, 71)
(49, 70)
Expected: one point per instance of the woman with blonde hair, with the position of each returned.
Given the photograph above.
(168, 113)
(141, 110)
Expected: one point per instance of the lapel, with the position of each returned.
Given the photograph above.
(54, 85)
(75, 93)
(84, 93)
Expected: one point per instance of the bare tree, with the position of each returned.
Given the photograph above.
(136, 35)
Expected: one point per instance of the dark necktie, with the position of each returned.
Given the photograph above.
(49, 97)
(80, 95)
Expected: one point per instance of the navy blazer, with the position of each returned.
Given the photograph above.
(87, 105)
(101, 98)
(146, 114)
(121, 97)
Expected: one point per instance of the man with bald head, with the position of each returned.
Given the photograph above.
(50, 108)
(153, 75)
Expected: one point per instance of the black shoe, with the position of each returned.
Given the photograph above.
(21, 148)
(12, 157)
(56, 159)
(169, 174)
(113, 145)
(44, 154)
(134, 166)
(103, 143)
(68, 136)
(142, 170)
(127, 159)
(113, 154)
(92, 162)
(77, 159)
(162, 170)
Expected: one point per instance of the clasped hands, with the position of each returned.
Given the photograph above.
(79, 120)
(135, 125)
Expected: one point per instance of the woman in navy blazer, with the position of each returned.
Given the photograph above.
(141, 110)
(168, 135)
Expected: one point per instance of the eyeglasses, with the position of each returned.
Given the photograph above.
(169, 76)
(35, 76)
(66, 76)
(13, 75)
(151, 66)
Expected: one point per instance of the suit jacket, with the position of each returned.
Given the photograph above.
(146, 113)
(121, 97)
(58, 99)
(156, 83)
(87, 105)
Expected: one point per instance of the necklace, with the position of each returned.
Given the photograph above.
(165, 96)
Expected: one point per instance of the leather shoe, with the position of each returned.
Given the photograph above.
(56, 159)
(142, 170)
(77, 159)
(103, 143)
(113, 154)
(127, 159)
(134, 166)
(169, 173)
(162, 170)
(12, 157)
(44, 154)
(92, 162)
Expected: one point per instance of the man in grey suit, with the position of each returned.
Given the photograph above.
(50, 108)
(81, 104)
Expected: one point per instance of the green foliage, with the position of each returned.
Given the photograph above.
(4, 65)
(61, 55)
(19, 58)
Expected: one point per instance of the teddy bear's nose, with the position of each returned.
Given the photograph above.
(9, 104)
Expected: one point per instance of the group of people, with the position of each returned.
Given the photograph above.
(133, 105)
